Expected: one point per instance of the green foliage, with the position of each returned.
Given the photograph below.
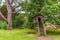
(34, 7)
(28, 25)
(3, 25)
(50, 2)
(18, 20)
(50, 9)
(51, 13)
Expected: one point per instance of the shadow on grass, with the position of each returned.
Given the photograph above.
(31, 31)
(53, 32)
(49, 32)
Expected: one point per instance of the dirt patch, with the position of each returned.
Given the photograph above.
(44, 38)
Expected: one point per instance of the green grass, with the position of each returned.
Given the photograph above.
(26, 34)
(55, 34)
(17, 34)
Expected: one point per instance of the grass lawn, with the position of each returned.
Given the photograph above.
(55, 34)
(26, 34)
(17, 34)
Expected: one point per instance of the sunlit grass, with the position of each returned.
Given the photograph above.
(26, 34)
(55, 34)
(17, 34)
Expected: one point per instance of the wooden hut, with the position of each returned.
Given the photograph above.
(39, 19)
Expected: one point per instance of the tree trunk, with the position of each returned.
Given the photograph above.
(41, 31)
(9, 17)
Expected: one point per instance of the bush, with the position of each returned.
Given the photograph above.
(17, 20)
(3, 25)
(28, 25)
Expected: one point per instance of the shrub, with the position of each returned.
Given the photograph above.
(28, 25)
(18, 20)
(3, 25)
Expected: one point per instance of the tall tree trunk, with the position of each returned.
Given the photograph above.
(41, 30)
(9, 17)
(9, 13)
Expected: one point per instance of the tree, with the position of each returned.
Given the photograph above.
(10, 6)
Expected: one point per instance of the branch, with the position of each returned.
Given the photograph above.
(16, 11)
(11, 1)
(3, 16)
(16, 7)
